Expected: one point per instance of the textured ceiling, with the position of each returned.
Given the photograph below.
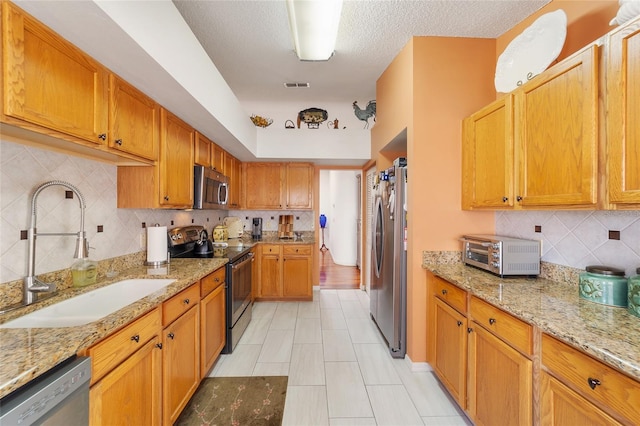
(250, 44)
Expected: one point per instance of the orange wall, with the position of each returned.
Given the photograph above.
(587, 20)
(430, 97)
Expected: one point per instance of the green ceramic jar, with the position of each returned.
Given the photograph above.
(634, 294)
(605, 285)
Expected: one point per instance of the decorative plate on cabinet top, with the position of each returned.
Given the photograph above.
(532, 51)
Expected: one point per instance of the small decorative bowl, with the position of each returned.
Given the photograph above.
(261, 121)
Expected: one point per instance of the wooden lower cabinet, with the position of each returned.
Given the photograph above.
(212, 323)
(285, 271)
(130, 394)
(500, 381)
(450, 363)
(180, 363)
(561, 406)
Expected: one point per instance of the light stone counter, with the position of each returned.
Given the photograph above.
(609, 334)
(29, 352)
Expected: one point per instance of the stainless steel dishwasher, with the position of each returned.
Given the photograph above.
(58, 397)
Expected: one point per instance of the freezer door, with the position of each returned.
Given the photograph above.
(376, 256)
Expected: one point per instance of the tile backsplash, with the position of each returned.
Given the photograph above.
(23, 168)
(579, 238)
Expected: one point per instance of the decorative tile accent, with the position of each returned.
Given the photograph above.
(578, 238)
(97, 181)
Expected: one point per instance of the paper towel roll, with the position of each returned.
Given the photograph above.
(156, 244)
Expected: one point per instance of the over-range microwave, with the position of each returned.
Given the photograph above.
(210, 189)
(502, 255)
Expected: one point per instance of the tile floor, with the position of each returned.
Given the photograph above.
(340, 371)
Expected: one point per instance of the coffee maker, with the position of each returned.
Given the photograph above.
(256, 228)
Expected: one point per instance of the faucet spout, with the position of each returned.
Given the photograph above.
(31, 285)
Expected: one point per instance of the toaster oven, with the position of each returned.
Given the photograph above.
(502, 256)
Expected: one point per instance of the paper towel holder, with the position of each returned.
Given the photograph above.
(157, 263)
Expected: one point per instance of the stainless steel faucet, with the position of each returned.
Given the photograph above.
(32, 286)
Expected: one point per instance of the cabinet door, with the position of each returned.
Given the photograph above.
(557, 134)
(487, 157)
(176, 161)
(234, 168)
(561, 406)
(49, 82)
(134, 120)
(212, 329)
(180, 364)
(500, 381)
(299, 186)
(130, 394)
(263, 182)
(270, 275)
(202, 150)
(296, 276)
(623, 115)
(217, 159)
(450, 362)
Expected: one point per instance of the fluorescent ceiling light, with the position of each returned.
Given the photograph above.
(314, 27)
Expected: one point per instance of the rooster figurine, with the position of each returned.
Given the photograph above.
(365, 114)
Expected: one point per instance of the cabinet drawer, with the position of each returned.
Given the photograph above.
(454, 296)
(296, 249)
(517, 333)
(271, 249)
(580, 371)
(212, 281)
(180, 303)
(110, 352)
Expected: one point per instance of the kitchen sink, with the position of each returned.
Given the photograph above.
(90, 306)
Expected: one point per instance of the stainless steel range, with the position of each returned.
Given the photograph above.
(193, 242)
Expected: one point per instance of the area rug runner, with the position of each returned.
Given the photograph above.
(237, 401)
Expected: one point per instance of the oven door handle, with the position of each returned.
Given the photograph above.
(480, 243)
(239, 265)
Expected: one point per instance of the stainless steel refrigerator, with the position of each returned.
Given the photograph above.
(388, 296)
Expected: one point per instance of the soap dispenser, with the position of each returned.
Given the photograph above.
(84, 272)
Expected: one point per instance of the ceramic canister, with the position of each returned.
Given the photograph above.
(634, 294)
(220, 234)
(605, 285)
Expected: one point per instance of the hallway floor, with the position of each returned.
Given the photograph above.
(340, 371)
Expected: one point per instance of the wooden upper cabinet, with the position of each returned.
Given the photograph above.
(134, 120)
(263, 183)
(487, 157)
(623, 116)
(217, 159)
(556, 128)
(202, 151)
(176, 161)
(233, 169)
(49, 82)
(299, 186)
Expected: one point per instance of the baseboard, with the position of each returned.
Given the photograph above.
(417, 366)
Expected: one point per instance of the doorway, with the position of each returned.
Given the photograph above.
(339, 251)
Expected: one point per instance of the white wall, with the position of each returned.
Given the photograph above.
(342, 216)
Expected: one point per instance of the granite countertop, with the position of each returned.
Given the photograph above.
(609, 334)
(26, 353)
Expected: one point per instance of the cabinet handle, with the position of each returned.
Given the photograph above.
(171, 336)
(166, 198)
(459, 323)
(492, 321)
(159, 345)
(136, 338)
(519, 198)
(186, 301)
(593, 382)
(102, 136)
(505, 199)
(444, 291)
(469, 330)
(216, 279)
(119, 142)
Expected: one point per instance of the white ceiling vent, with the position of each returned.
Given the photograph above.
(296, 85)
